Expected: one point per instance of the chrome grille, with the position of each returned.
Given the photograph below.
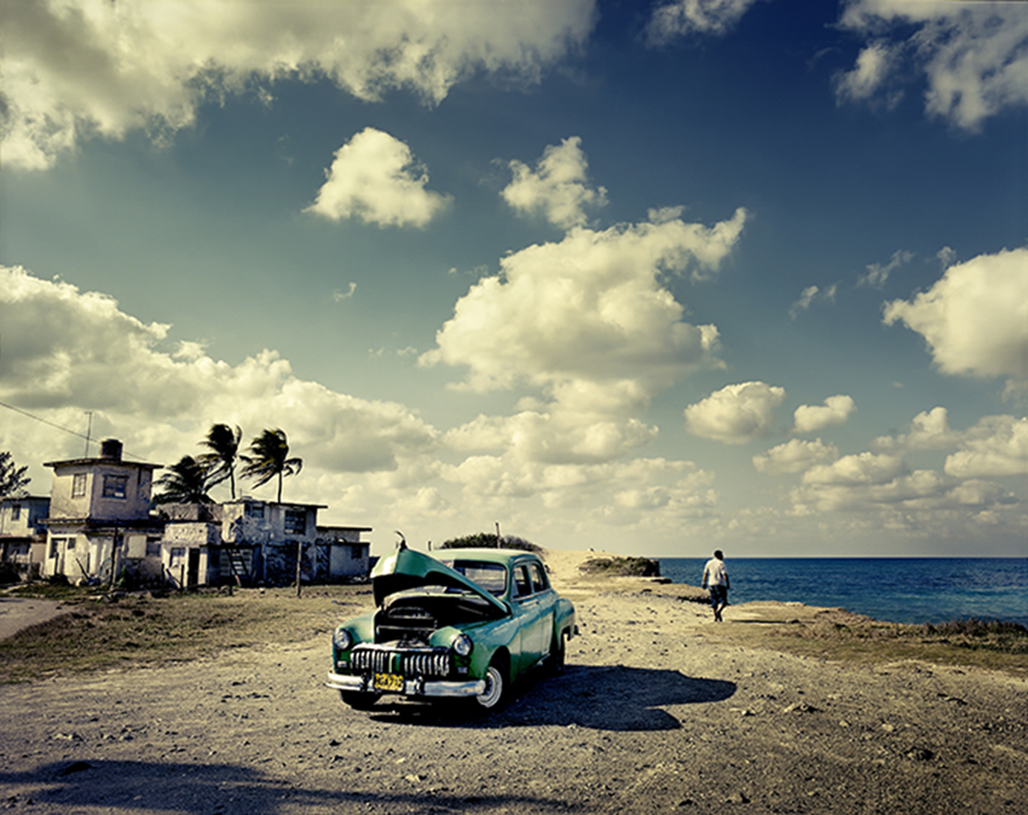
(408, 663)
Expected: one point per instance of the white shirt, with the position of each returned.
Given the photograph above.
(715, 573)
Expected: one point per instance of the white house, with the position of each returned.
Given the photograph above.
(99, 521)
(101, 524)
(249, 541)
(23, 532)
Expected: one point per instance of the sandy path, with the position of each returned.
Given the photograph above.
(653, 714)
(18, 613)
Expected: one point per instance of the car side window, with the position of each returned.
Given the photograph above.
(522, 583)
(538, 577)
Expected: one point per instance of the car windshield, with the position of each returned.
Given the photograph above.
(490, 576)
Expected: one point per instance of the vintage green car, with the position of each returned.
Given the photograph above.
(465, 623)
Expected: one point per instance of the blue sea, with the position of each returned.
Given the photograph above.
(899, 590)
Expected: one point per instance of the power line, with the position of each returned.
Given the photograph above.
(62, 428)
(44, 421)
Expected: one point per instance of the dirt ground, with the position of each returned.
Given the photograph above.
(655, 713)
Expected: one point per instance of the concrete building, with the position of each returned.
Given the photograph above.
(244, 541)
(99, 522)
(23, 534)
(340, 554)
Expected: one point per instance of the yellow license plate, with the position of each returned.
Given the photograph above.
(388, 682)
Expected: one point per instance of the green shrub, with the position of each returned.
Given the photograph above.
(622, 567)
(489, 540)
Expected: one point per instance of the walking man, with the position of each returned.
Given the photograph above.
(715, 577)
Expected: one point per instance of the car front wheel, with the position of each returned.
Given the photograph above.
(495, 686)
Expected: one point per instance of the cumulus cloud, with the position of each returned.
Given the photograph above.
(973, 55)
(930, 430)
(649, 493)
(374, 178)
(78, 69)
(996, 446)
(558, 188)
(794, 456)
(975, 318)
(681, 17)
(811, 418)
(588, 312)
(736, 414)
(67, 351)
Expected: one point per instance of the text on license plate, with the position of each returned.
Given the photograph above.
(388, 682)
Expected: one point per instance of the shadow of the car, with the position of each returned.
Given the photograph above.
(602, 697)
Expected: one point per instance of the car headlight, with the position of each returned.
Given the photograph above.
(462, 645)
(342, 639)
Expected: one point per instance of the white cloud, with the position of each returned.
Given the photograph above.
(66, 352)
(975, 318)
(809, 296)
(589, 310)
(374, 178)
(794, 456)
(79, 68)
(857, 470)
(996, 446)
(736, 414)
(561, 433)
(835, 411)
(681, 17)
(339, 295)
(558, 188)
(875, 64)
(973, 55)
(919, 502)
(930, 430)
(878, 275)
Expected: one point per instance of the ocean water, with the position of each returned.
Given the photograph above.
(900, 590)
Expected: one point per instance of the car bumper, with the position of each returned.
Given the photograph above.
(433, 688)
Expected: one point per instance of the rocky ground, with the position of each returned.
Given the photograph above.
(656, 712)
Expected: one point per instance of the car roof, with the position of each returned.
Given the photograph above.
(504, 556)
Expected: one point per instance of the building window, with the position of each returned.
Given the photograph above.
(114, 486)
(71, 544)
(55, 546)
(153, 547)
(296, 522)
(16, 512)
(78, 485)
(255, 510)
(356, 552)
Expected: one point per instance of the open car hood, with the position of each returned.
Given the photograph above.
(408, 569)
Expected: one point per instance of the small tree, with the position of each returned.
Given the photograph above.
(12, 478)
(186, 482)
(269, 458)
(223, 442)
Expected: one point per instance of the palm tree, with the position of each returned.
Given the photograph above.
(269, 457)
(12, 478)
(185, 483)
(223, 442)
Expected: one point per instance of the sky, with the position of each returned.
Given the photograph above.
(649, 277)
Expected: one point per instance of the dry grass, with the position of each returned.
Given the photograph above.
(842, 636)
(133, 630)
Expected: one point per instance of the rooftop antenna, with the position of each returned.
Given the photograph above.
(89, 431)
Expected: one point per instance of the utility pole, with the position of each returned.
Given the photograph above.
(89, 431)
